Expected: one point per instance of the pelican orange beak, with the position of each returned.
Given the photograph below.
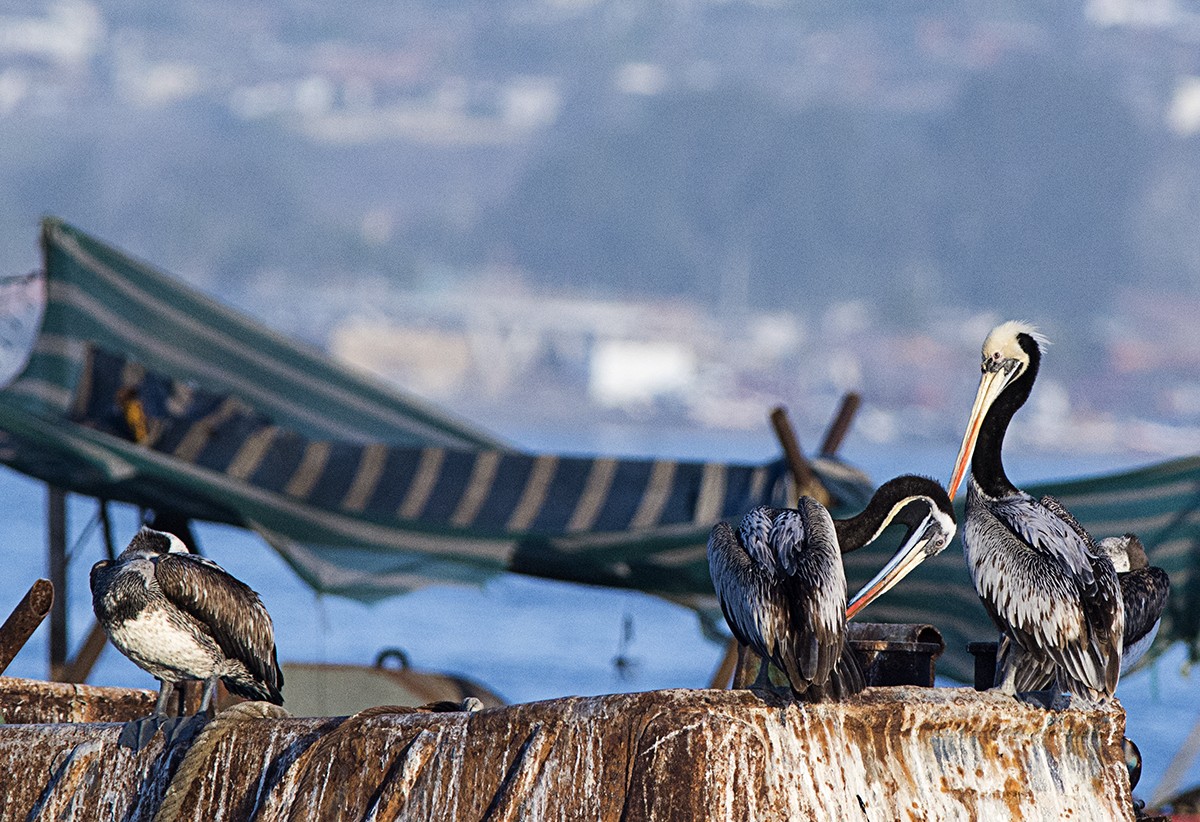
(928, 539)
(993, 382)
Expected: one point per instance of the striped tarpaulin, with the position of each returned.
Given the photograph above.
(98, 296)
(564, 516)
(366, 492)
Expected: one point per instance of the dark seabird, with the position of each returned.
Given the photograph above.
(1144, 590)
(180, 616)
(1053, 595)
(782, 589)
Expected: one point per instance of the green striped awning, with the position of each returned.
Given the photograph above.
(366, 492)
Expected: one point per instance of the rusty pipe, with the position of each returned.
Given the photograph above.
(24, 620)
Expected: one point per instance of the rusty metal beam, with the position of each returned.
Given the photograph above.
(24, 620)
(35, 701)
(56, 530)
(841, 423)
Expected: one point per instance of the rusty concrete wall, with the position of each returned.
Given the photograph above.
(892, 753)
(32, 700)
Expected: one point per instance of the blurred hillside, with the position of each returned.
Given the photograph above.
(769, 187)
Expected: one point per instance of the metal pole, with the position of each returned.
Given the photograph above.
(106, 526)
(56, 509)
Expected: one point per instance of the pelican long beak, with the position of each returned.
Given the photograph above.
(990, 386)
(923, 543)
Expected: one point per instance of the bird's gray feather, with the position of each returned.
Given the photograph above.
(781, 586)
(1043, 585)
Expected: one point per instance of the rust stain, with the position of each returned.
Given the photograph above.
(890, 753)
(29, 701)
(1015, 794)
(522, 775)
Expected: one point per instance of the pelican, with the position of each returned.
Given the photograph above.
(781, 586)
(1144, 591)
(1053, 595)
(179, 616)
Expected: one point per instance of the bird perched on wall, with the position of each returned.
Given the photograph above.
(1053, 594)
(1144, 591)
(179, 616)
(782, 589)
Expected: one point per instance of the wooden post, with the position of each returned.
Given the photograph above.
(806, 481)
(841, 423)
(56, 510)
(24, 620)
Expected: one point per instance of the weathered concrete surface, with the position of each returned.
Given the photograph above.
(319, 689)
(32, 700)
(892, 753)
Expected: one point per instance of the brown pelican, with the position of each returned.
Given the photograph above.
(1052, 594)
(179, 616)
(781, 586)
(1144, 591)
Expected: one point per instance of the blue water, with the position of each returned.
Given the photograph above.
(525, 638)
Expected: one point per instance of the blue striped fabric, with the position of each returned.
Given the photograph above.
(364, 491)
(486, 491)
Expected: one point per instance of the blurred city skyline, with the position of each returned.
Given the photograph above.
(630, 213)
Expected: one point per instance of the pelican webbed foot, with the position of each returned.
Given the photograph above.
(137, 733)
(1050, 699)
(180, 729)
